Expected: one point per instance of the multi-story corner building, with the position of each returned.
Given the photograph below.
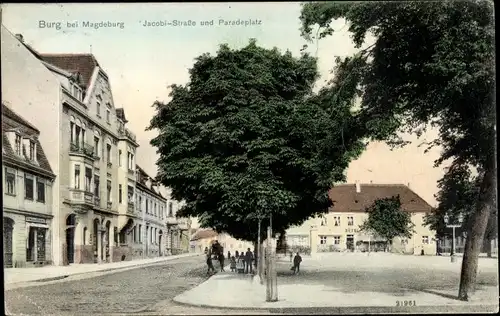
(339, 230)
(27, 194)
(69, 97)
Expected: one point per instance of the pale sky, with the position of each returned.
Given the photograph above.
(142, 62)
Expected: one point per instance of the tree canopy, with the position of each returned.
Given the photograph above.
(431, 64)
(388, 220)
(246, 138)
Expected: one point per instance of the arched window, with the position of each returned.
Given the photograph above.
(84, 127)
(72, 128)
(78, 128)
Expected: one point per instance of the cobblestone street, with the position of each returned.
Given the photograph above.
(143, 290)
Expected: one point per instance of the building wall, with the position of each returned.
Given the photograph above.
(30, 89)
(330, 233)
(25, 214)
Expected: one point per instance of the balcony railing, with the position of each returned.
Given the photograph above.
(79, 196)
(127, 133)
(97, 201)
(171, 220)
(85, 149)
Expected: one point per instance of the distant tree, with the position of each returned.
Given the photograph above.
(247, 138)
(458, 193)
(388, 220)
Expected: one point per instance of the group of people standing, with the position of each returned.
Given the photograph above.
(240, 262)
(243, 262)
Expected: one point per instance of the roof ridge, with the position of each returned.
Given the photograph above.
(18, 118)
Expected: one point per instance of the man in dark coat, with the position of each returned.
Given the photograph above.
(296, 263)
(248, 261)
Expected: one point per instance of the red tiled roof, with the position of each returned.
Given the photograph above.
(346, 199)
(81, 63)
(204, 233)
(11, 120)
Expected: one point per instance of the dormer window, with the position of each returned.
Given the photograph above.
(76, 91)
(18, 144)
(32, 150)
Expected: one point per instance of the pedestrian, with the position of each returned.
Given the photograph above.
(233, 264)
(248, 261)
(206, 250)
(240, 264)
(221, 261)
(237, 255)
(210, 265)
(228, 255)
(291, 255)
(296, 263)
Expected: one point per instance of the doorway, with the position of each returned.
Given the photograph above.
(160, 242)
(350, 242)
(70, 237)
(8, 227)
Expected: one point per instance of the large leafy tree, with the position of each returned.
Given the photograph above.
(431, 64)
(388, 220)
(246, 139)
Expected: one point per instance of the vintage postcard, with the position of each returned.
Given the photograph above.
(249, 158)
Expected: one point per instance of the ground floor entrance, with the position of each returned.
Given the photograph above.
(26, 240)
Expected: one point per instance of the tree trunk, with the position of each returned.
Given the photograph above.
(476, 231)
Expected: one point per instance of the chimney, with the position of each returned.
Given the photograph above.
(358, 187)
(408, 184)
(20, 37)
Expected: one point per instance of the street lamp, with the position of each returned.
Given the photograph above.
(453, 226)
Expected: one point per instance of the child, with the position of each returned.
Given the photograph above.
(241, 264)
(233, 264)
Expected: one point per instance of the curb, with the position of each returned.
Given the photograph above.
(31, 283)
(333, 310)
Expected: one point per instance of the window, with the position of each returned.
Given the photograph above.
(154, 208)
(322, 240)
(28, 187)
(131, 162)
(120, 157)
(140, 233)
(109, 191)
(77, 131)
(323, 221)
(40, 190)
(170, 209)
(98, 109)
(130, 193)
(336, 220)
(84, 235)
(425, 240)
(350, 221)
(108, 150)
(10, 182)
(108, 116)
(32, 150)
(119, 193)
(77, 176)
(88, 179)
(96, 146)
(147, 207)
(71, 131)
(18, 144)
(336, 240)
(96, 185)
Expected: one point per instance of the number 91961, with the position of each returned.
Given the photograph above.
(406, 303)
